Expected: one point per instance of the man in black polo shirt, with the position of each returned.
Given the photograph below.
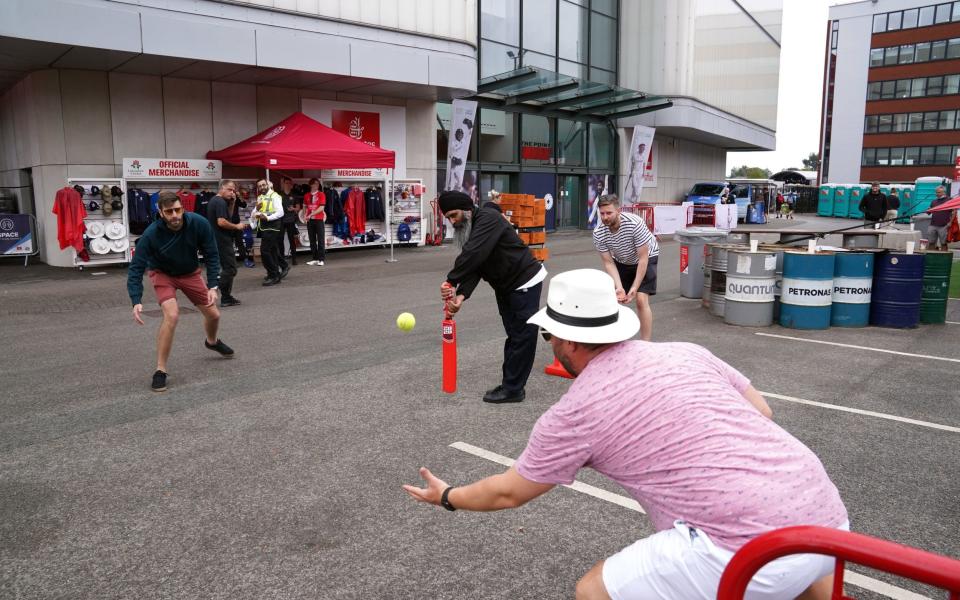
(220, 213)
(291, 204)
(490, 249)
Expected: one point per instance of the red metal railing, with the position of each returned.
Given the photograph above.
(911, 563)
(643, 211)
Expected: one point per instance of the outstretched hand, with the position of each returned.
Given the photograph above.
(430, 494)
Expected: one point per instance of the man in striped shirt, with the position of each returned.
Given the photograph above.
(629, 254)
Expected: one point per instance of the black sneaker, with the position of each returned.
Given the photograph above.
(503, 396)
(229, 302)
(284, 272)
(159, 383)
(270, 282)
(224, 350)
(493, 392)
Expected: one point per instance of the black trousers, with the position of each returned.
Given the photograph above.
(520, 347)
(270, 241)
(318, 238)
(228, 266)
(292, 235)
(241, 247)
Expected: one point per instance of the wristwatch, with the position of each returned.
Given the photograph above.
(445, 502)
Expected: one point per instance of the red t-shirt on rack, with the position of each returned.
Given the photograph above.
(68, 206)
(356, 210)
(188, 200)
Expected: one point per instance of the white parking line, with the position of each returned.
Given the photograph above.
(799, 339)
(859, 411)
(952, 322)
(849, 576)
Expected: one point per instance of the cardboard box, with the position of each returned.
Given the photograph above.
(540, 254)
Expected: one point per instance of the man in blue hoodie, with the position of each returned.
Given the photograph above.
(167, 251)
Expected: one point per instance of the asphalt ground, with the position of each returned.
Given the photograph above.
(277, 474)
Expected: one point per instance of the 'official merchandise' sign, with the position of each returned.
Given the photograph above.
(15, 235)
(334, 174)
(172, 168)
(361, 126)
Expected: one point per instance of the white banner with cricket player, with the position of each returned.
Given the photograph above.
(460, 132)
(641, 145)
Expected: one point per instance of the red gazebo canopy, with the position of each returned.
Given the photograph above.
(299, 142)
(951, 204)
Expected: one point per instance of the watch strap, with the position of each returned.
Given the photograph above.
(445, 501)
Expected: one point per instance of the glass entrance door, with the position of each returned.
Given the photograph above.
(570, 209)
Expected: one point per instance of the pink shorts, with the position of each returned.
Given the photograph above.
(193, 287)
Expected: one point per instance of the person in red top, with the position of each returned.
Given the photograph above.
(68, 206)
(314, 202)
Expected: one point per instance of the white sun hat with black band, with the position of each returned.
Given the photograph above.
(582, 307)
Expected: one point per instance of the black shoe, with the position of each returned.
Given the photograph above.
(223, 349)
(267, 277)
(270, 282)
(502, 396)
(231, 301)
(159, 383)
(493, 392)
(293, 260)
(284, 272)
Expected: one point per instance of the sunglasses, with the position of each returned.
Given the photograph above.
(546, 335)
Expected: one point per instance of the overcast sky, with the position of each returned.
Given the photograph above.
(801, 87)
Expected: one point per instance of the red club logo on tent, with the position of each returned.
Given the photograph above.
(274, 132)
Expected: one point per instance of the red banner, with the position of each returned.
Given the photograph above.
(362, 126)
(684, 258)
(535, 152)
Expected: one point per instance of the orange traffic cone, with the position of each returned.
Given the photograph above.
(555, 368)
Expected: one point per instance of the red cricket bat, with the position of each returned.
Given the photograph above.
(449, 344)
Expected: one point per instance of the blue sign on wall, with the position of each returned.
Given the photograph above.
(542, 185)
(16, 238)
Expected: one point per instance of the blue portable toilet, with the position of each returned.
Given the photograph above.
(825, 200)
(841, 204)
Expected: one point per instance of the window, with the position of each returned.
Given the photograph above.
(498, 136)
(893, 20)
(876, 57)
(540, 27)
(494, 58)
(946, 120)
(911, 156)
(883, 157)
(601, 146)
(943, 155)
(870, 124)
(896, 157)
(537, 145)
(573, 32)
(943, 13)
(888, 89)
(873, 91)
(956, 11)
(571, 142)
(953, 48)
(930, 120)
(919, 87)
(927, 155)
(500, 21)
(934, 86)
(891, 55)
(923, 52)
(906, 54)
(938, 51)
(885, 123)
(879, 23)
(900, 122)
(869, 156)
(915, 122)
(903, 88)
(603, 76)
(603, 42)
(910, 18)
(607, 7)
(573, 69)
(926, 16)
(951, 84)
(833, 40)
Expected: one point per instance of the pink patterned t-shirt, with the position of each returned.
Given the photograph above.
(668, 422)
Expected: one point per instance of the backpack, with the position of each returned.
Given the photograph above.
(403, 233)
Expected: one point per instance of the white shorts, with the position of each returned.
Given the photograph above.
(683, 563)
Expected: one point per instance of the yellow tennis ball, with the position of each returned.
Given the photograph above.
(406, 321)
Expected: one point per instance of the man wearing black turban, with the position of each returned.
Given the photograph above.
(491, 250)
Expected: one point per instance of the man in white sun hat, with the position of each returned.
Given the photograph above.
(685, 434)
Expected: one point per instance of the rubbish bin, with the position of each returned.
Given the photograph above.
(692, 245)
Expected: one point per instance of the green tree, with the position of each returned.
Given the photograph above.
(750, 172)
(812, 162)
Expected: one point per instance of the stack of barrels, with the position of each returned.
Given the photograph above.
(804, 290)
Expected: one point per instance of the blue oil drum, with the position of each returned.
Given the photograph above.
(825, 200)
(807, 290)
(841, 201)
(852, 288)
(897, 290)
